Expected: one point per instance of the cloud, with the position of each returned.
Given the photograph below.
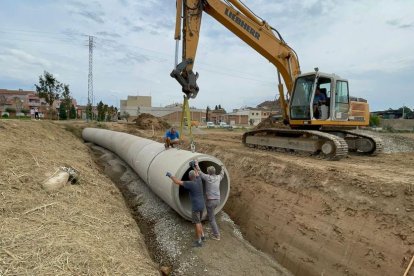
(397, 23)
(125, 3)
(78, 4)
(404, 26)
(133, 58)
(22, 57)
(363, 41)
(137, 29)
(108, 34)
(97, 17)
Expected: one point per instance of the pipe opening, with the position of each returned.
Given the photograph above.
(184, 195)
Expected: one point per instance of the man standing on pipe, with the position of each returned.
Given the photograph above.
(195, 187)
(213, 195)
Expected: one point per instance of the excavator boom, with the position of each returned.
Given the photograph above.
(244, 24)
(321, 127)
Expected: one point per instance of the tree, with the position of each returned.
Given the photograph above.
(105, 112)
(112, 113)
(3, 101)
(66, 98)
(62, 112)
(207, 111)
(72, 112)
(406, 111)
(216, 107)
(125, 115)
(219, 106)
(89, 111)
(49, 88)
(100, 108)
(374, 121)
(18, 103)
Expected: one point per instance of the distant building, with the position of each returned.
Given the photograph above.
(21, 101)
(217, 115)
(135, 105)
(249, 116)
(132, 103)
(24, 101)
(389, 114)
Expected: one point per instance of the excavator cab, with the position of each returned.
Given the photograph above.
(319, 97)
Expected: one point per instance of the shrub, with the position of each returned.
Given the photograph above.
(389, 129)
(10, 109)
(5, 115)
(374, 121)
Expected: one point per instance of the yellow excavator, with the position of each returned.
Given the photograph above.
(319, 124)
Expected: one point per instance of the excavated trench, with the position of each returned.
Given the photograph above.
(169, 237)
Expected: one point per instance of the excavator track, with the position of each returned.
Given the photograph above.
(331, 146)
(376, 143)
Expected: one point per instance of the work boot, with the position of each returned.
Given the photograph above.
(214, 237)
(197, 244)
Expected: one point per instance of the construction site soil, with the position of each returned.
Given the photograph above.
(148, 121)
(312, 216)
(82, 229)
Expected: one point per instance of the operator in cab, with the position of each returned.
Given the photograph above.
(171, 138)
(318, 100)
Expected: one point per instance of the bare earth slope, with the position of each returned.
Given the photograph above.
(81, 229)
(315, 217)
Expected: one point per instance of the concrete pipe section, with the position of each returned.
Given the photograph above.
(150, 160)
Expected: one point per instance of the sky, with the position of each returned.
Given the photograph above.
(370, 43)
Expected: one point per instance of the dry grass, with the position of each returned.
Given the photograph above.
(81, 229)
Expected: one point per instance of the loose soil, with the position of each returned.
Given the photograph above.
(148, 121)
(271, 123)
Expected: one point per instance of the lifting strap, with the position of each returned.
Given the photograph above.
(186, 115)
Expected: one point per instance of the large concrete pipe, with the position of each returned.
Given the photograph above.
(150, 160)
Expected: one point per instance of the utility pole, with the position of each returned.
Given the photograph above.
(403, 115)
(90, 79)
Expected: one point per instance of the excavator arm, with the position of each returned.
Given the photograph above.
(244, 24)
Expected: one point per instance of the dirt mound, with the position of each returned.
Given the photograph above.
(81, 229)
(147, 121)
(271, 123)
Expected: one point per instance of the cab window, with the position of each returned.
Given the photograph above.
(342, 94)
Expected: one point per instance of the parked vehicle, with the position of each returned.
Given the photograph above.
(224, 125)
(210, 125)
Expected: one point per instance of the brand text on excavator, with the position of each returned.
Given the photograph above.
(243, 24)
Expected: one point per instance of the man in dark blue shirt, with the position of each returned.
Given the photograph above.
(195, 187)
(171, 138)
(319, 99)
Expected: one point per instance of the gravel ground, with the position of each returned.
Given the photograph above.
(395, 142)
